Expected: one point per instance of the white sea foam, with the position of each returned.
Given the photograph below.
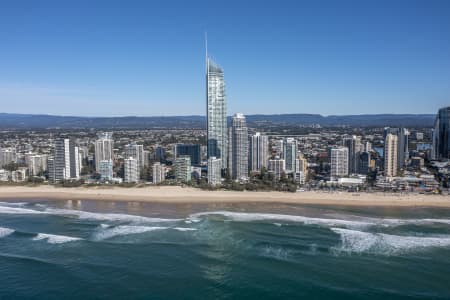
(248, 217)
(15, 204)
(55, 239)
(184, 229)
(5, 231)
(18, 210)
(381, 243)
(106, 216)
(107, 233)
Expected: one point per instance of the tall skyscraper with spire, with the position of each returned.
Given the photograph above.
(216, 111)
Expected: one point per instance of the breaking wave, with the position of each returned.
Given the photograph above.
(248, 217)
(386, 244)
(110, 232)
(106, 216)
(55, 239)
(5, 231)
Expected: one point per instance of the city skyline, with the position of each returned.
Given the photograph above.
(121, 63)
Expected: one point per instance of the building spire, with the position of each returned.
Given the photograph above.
(206, 51)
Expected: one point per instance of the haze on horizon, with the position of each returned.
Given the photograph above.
(108, 58)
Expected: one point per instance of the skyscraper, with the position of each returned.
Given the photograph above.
(216, 112)
(403, 151)
(258, 152)
(238, 148)
(159, 172)
(103, 148)
(339, 162)
(137, 152)
(106, 169)
(65, 162)
(290, 154)
(441, 135)
(183, 168)
(390, 155)
(193, 150)
(354, 145)
(131, 170)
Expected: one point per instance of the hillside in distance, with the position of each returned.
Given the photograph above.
(30, 121)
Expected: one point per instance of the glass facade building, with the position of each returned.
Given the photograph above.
(216, 114)
(441, 134)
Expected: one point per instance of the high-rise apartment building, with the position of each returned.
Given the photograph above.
(390, 155)
(238, 148)
(7, 156)
(258, 152)
(137, 152)
(104, 147)
(131, 170)
(193, 150)
(290, 154)
(65, 162)
(106, 170)
(159, 172)
(339, 162)
(214, 171)
(183, 168)
(441, 135)
(277, 167)
(37, 164)
(216, 112)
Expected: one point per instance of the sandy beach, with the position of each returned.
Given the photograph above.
(176, 194)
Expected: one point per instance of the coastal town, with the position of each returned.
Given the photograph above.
(297, 159)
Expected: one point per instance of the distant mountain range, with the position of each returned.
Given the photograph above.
(24, 121)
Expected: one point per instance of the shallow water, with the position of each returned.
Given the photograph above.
(117, 250)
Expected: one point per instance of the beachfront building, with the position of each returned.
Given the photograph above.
(258, 152)
(441, 135)
(290, 154)
(183, 168)
(159, 172)
(131, 170)
(390, 155)
(214, 171)
(137, 152)
(106, 170)
(216, 112)
(104, 147)
(7, 156)
(65, 162)
(277, 167)
(37, 164)
(238, 148)
(192, 150)
(339, 162)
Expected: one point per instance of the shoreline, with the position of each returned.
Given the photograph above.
(177, 194)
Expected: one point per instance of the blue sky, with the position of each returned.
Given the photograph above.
(114, 58)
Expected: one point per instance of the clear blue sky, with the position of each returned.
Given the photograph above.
(112, 58)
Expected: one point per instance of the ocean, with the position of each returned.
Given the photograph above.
(132, 250)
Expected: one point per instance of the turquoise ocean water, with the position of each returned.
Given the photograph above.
(109, 250)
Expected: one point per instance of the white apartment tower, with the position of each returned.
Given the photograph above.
(390, 155)
(339, 162)
(131, 170)
(214, 171)
(104, 147)
(259, 152)
(159, 172)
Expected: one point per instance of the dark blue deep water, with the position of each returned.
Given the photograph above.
(108, 250)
